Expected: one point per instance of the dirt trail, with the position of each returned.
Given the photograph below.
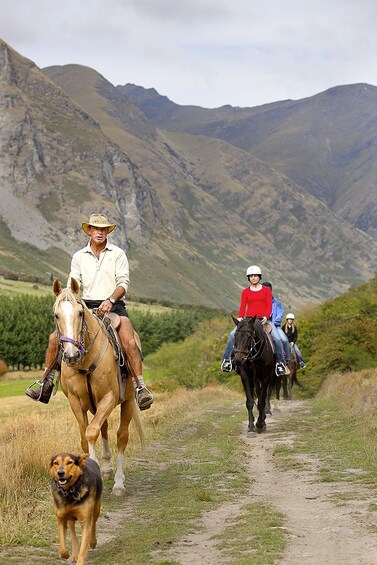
(319, 531)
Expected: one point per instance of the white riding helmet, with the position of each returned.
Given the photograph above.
(290, 316)
(253, 270)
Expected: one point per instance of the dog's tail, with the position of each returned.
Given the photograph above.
(138, 423)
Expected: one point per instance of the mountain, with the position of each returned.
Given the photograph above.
(326, 143)
(192, 211)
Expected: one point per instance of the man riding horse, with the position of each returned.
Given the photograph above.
(102, 270)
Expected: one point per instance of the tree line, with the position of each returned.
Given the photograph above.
(27, 321)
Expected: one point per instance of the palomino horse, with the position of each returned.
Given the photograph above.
(89, 379)
(254, 360)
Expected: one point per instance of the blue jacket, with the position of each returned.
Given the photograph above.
(277, 312)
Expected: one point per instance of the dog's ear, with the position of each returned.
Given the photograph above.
(51, 461)
(81, 459)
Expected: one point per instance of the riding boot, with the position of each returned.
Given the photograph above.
(45, 386)
(144, 397)
(44, 389)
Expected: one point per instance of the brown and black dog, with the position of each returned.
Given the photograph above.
(76, 487)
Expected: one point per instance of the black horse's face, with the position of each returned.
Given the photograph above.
(244, 341)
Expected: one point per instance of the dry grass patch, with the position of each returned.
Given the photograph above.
(32, 432)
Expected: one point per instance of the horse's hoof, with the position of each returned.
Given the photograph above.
(261, 430)
(118, 491)
(107, 475)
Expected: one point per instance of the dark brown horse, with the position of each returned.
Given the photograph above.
(287, 382)
(254, 360)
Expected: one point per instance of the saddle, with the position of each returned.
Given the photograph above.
(268, 329)
(111, 322)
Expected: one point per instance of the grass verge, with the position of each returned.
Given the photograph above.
(340, 430)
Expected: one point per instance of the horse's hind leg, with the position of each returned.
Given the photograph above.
(262, 398)
(126, 412)
(106, 469)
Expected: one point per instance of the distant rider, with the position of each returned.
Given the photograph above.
(276, 318)
(290, 329)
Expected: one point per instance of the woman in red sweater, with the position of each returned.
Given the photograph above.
(256, 300)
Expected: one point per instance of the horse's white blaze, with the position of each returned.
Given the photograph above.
(69, 317)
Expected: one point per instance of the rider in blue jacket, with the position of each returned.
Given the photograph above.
(276, 318)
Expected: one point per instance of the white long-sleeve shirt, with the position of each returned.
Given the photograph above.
(99, 278)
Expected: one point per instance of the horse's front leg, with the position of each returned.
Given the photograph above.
(103, 411)
(81, 418)
(248, 388)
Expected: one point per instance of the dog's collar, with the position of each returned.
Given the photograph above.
(74, 493)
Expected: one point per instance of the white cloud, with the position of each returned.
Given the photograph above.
(204, 52)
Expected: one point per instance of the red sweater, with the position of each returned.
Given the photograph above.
(256, 302)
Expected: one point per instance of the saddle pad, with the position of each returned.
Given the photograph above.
(267, 329)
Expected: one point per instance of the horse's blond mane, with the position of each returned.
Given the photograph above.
(66, 294)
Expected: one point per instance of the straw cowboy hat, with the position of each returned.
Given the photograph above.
(98, 221)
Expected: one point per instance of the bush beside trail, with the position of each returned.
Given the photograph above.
(340, 335)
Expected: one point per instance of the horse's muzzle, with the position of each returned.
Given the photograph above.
(238, 359)
(72, 359)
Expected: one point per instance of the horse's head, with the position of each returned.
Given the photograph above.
(69, 312)
(246, 340)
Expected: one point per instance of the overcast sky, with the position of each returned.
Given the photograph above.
(203, 52)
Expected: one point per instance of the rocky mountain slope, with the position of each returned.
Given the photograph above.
(192, 211)
(326, 143)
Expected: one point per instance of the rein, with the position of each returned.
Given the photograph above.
(258, 345)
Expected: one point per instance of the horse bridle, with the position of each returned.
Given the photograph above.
(258, 345)
(77, 343)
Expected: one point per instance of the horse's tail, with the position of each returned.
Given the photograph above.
(138, 423)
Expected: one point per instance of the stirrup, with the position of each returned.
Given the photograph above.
(279, 369)
(226, 365)
(34, 393)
